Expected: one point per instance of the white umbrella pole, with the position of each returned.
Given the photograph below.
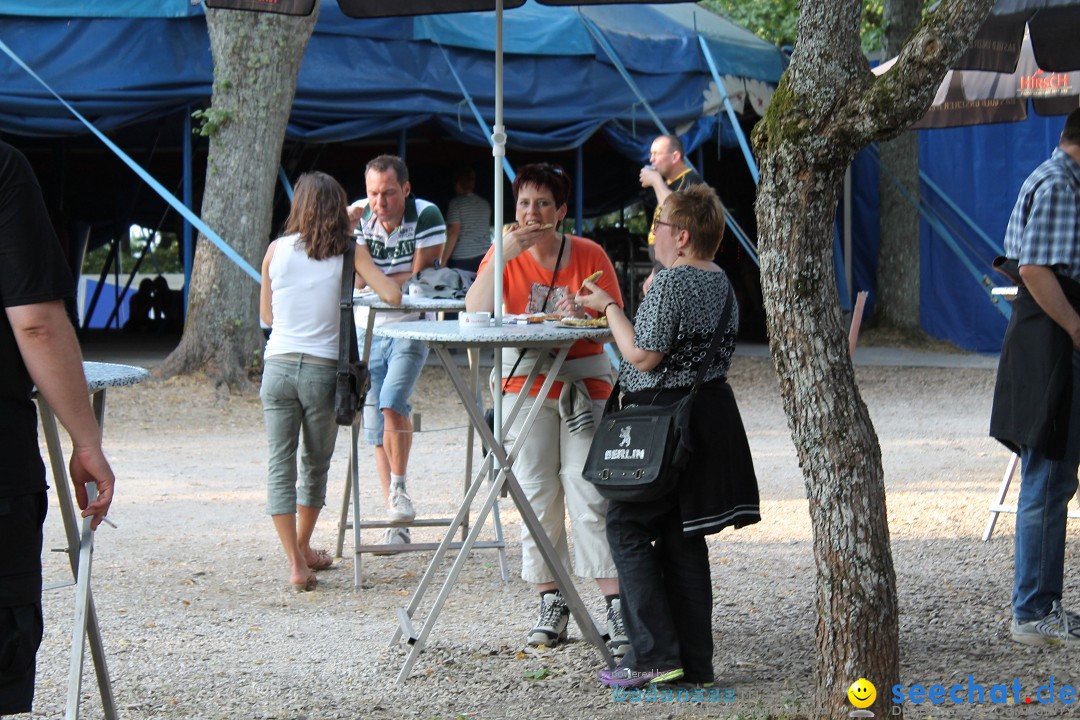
(498, 152)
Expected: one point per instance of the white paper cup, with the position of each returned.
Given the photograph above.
(467, 320)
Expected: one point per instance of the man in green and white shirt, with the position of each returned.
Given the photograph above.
(404, 235)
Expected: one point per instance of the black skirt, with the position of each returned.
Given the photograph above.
(718, 487)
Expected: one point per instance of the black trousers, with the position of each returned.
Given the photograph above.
(21, 519)
(665, 588)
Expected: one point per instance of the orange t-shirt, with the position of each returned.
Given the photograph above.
(525, 285)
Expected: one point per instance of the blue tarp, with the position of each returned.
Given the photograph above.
(363, 78)
(100, 8)
(981, 169)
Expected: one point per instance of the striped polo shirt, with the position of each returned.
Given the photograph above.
(421, 227)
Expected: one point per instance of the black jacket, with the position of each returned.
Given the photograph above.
(718, 487)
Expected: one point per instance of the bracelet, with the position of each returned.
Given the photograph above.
(604, 311)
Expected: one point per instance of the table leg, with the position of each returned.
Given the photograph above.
(352, 480)
(470, 436)
(418, 644)
(475, 416)
(85, 624)
(507, 480)
(354, 483)
(504, 478)
(1003, 489)
(343, 520)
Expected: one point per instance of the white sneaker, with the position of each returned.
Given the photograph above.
(550, 628)
(618, 643)
(393, 536)
(401, 507)
(1060, 627)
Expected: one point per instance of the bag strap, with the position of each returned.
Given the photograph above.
(718, 334)
(543, 308)
(347, 329)
(725, 316)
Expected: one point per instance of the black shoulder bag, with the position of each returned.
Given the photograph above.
(353, 379)
(638, 453)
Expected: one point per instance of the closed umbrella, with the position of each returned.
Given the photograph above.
(1053, 26)
(981, 97)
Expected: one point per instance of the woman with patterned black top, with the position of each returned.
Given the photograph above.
(666, 589)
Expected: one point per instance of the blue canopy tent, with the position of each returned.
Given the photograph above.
(570, 73)
(561, 87)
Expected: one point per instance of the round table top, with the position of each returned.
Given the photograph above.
(449, 333)
(105, 375)
(410, 304)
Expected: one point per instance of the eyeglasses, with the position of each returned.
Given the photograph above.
(553, 169)
(661, 222)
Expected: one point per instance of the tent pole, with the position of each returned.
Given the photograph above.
(157, 187)
(621, 68)
(750, 162)
(188, 243)
(472, 105)
(285, 184)
(579, 189)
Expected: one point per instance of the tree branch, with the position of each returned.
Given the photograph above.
(903, 93)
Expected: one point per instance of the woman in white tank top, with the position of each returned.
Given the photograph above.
(301, 281)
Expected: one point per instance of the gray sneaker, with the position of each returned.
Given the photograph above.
(1060, 627)
(618, 643)
(550, 628)
(393, 536)
(401, 507)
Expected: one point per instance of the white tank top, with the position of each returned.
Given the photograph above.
(304, 299)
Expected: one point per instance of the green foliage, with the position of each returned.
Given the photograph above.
(210, 121)
(773, 20)
(166, 250)
(633, 218)
(777, 20)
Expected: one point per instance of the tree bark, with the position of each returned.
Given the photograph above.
(898, 271)
(256, 62)
(827, 107)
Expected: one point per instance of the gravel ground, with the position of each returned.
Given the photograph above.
(199, 620)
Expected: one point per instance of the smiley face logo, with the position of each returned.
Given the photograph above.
(862, 693)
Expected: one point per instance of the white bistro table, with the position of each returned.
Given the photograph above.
(442, 337)
(80, 540)
(409, 304)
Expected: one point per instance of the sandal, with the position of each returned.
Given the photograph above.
(323, 560)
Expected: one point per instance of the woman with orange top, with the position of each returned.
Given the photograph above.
(544, 269)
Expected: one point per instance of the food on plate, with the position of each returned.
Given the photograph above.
(600, 322)
(542, 318)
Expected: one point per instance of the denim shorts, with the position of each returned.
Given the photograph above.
(395, 367)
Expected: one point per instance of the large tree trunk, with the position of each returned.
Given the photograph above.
(829, 106)
(256, 61)
(898, 272)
